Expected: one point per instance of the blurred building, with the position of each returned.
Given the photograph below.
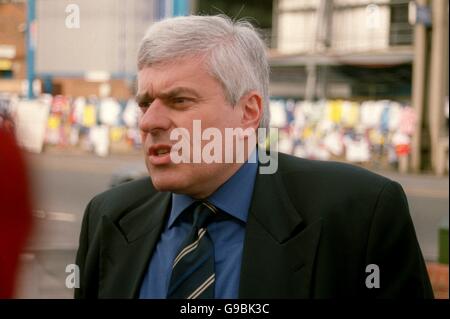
(94, 52)
(76, 63)
(342, 49)
(353, 50)
(76, 48)
(12, 45)
(364, 50)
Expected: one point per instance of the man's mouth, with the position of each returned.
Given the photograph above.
(159, 154)
(159, 149)
(162, 152)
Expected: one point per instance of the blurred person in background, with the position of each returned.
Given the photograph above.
(15, 207)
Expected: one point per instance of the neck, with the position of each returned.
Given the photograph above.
(228, 169)
(212, 185)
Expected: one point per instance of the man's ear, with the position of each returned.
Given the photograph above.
(252, 109)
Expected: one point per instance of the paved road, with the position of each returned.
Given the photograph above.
(63, 184)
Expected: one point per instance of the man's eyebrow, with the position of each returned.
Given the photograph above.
(140, 98)
(145, 97)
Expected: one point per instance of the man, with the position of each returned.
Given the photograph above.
(226, 230)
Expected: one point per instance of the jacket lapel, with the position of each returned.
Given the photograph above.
(279, 248)
(126, 247)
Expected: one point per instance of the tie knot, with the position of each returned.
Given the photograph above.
(204, 213)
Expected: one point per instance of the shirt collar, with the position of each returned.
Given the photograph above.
(233, 197)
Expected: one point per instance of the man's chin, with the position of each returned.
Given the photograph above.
(166, 186)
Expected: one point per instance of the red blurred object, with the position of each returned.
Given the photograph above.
(15, 210)
(402, 149)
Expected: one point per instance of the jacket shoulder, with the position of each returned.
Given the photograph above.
(339, 174)
(118, 200)
(325, 189)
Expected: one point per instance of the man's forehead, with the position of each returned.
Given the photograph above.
(151, 84)
(144, 81)
(177, 63)
(163, 75)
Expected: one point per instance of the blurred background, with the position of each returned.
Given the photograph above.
(365, 82)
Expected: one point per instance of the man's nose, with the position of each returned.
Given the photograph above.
(155, 119)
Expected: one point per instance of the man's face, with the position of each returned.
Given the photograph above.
(173, 95)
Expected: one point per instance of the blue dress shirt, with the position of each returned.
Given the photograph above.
(233, 198)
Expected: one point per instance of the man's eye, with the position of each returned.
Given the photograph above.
(180, 100)
(144, 105)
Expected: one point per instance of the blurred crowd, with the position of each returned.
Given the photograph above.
(379, 132)
(90, 123)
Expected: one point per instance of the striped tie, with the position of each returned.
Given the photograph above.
(193, 268)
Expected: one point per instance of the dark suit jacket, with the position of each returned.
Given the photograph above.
(313, 227)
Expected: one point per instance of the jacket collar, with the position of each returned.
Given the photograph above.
(126, 247)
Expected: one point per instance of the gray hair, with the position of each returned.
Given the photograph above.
(235, 54)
